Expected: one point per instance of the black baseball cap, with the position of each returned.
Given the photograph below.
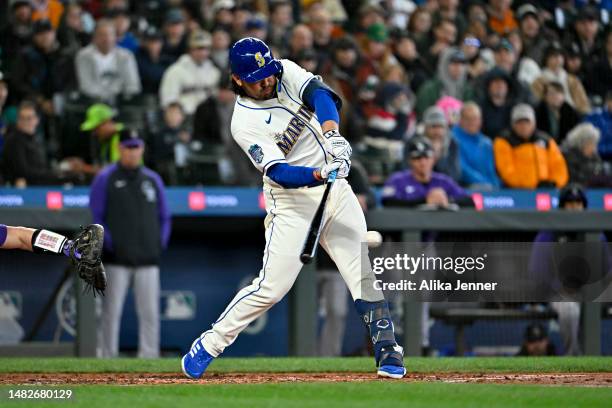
(587, 13)
(152, 33)
(535, 332)
(573, 192)
(130, 138)
(419, 147)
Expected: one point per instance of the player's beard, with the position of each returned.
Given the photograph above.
(269, 93)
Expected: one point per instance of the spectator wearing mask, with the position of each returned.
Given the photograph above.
(175, 35)
(475, 150)
(451, 80)
(16, 34)
(583, 162)
(527, 158)
(420, 185)
(554, 116)
(130, 202)
(536, 342)
(105, 71)
(500, 96)
(193, 78)
(602, 119)
(445, 148)
(41, 71)
(151, 62)
(553, 70)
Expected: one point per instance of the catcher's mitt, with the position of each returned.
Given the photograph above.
(86, 253)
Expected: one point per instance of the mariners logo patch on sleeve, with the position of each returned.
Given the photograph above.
(256, 153)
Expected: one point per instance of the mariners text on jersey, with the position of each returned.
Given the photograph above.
(286, 140)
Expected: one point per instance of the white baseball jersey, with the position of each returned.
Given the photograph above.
(282, 129)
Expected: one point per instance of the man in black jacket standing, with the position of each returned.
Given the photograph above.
(128, 199)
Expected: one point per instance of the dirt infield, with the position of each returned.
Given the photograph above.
(571, 379)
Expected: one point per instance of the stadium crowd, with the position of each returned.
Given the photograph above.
(509, 94)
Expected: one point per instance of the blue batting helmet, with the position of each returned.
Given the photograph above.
(251, 60)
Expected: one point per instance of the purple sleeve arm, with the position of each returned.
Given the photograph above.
(3, 233)
(165, 220)
(97, 204)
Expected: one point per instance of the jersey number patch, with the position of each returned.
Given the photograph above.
(256, 153)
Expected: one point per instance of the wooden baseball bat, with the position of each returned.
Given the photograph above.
(314, 232)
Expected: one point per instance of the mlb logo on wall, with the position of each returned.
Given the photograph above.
(256, 153)
(178, 305)
(10, 305)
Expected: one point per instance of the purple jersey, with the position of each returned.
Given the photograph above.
(403, 186)
(3, 232)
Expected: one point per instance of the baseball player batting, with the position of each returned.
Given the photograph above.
(286, 121)
(84, 250)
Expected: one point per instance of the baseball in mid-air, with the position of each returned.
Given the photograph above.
(373, 238)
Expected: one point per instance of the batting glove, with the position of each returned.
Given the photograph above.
(337, 146)
(342, 166)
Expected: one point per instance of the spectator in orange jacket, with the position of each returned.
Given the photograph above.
(526, 157)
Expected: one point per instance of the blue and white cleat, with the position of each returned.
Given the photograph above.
(392, 362)
(196, 361)
(392, 371)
